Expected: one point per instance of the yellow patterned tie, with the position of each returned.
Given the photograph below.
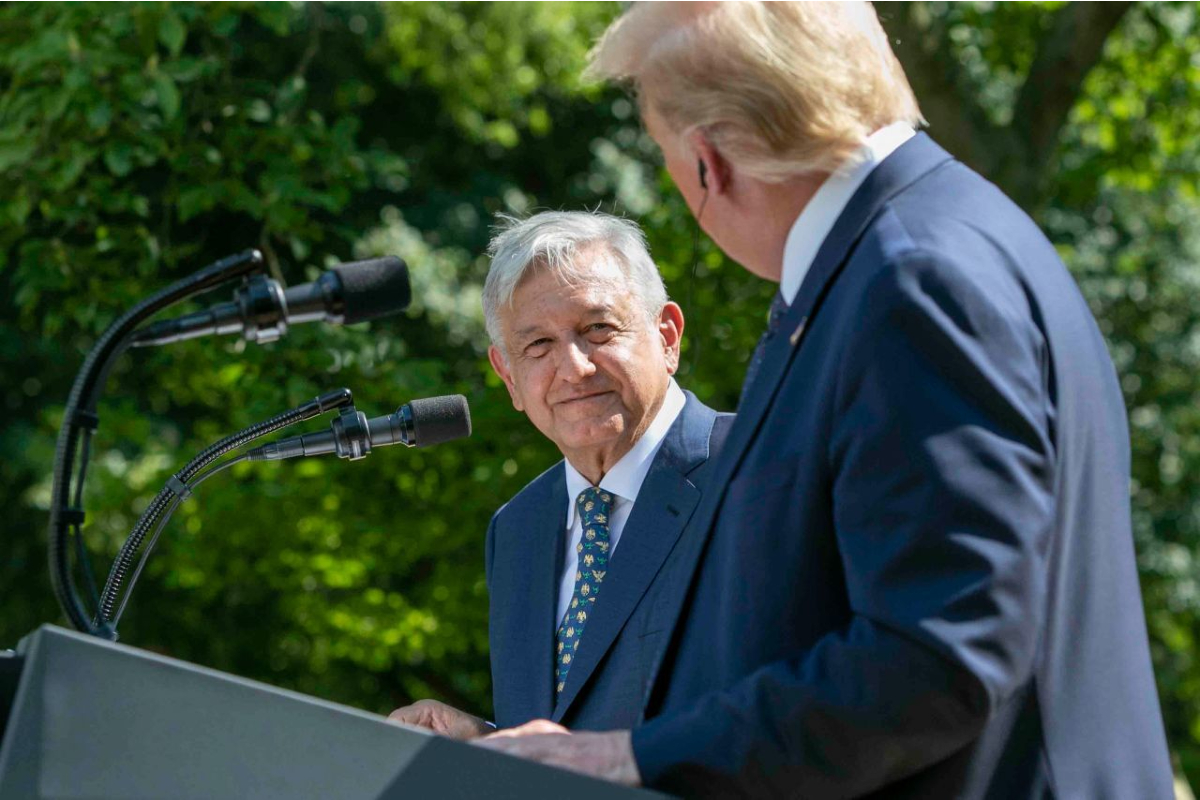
(593, 506)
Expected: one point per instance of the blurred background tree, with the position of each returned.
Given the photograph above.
(140, 142)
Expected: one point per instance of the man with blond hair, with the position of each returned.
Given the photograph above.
(916, 576)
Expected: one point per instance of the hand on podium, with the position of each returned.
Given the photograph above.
(602, 755)
(442, 719)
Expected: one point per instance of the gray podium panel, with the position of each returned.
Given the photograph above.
(95, 719)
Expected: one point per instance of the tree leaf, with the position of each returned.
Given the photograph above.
(118, 157)
(14, 154)
(172, 32)
(167, 94)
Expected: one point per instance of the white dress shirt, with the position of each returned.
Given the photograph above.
(817, 218)
(623, 482)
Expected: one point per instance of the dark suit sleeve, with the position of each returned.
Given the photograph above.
(940, 461)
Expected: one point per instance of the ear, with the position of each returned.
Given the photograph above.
(670, 328)
(501, 368)
(717, 170)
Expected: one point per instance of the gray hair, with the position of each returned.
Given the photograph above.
(553, 240)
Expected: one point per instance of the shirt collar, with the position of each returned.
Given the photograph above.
(822, 211)
(626, 477)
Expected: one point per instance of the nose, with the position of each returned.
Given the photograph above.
(576, 365)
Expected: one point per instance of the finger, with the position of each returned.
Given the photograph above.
(409, 715)
(464, 727)
(500, 744)
(520, 746)
(536, 727)
(551, 749)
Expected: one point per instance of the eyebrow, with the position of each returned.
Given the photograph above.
(525, 333)
(532, 329)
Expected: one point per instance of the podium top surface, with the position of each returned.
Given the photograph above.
(94, 718)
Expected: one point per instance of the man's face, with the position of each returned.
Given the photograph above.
(682, 168)
(583, 361)
(720, 221)
(748, 219)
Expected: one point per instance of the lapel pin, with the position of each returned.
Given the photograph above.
(795, 337)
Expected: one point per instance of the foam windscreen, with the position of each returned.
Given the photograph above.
(373, 289)
(440, 419)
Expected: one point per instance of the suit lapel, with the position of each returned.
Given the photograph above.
(665, 503)
(915, 158)
(911, 160)
(527, 601)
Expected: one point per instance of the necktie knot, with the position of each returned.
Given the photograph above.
(779, 308)
(592, 503)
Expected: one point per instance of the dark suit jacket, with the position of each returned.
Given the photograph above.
(606, 686)
(914, 573)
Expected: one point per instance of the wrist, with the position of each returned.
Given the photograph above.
(627, 767)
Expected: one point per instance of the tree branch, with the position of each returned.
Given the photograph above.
(1066, 54)
(1016, 156)
(955, 117)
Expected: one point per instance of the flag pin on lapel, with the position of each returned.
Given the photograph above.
(799, 332)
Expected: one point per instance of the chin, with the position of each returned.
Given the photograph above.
(593, 437)
(747, 256)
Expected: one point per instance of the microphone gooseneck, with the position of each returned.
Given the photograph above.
(80, 420)
(421, 423)
(262, 309)
(178, 488)
(352, 435)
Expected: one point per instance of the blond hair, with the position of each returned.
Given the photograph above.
(780, 89)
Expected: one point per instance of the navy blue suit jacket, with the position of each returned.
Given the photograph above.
(607, 685)
(914, 573)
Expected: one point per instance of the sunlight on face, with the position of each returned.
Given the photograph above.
(584, 361)
(681, 165)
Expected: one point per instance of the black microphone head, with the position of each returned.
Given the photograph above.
(373, 289)
(440, 419)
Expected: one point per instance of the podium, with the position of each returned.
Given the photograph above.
(96, 719)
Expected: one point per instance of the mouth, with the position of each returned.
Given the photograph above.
(582, 398)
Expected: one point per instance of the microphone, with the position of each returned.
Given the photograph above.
(262, 309)
(420, 423)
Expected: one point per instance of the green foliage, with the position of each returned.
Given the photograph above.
(459, 51)
(144, 144)
(140, 142)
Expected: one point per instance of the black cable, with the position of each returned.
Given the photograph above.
(137, 573)
(218, 468)
(83, 561)
(158, 529)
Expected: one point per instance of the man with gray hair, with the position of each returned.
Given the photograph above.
(586, 342)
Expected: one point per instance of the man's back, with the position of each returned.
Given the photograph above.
(926, 519)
